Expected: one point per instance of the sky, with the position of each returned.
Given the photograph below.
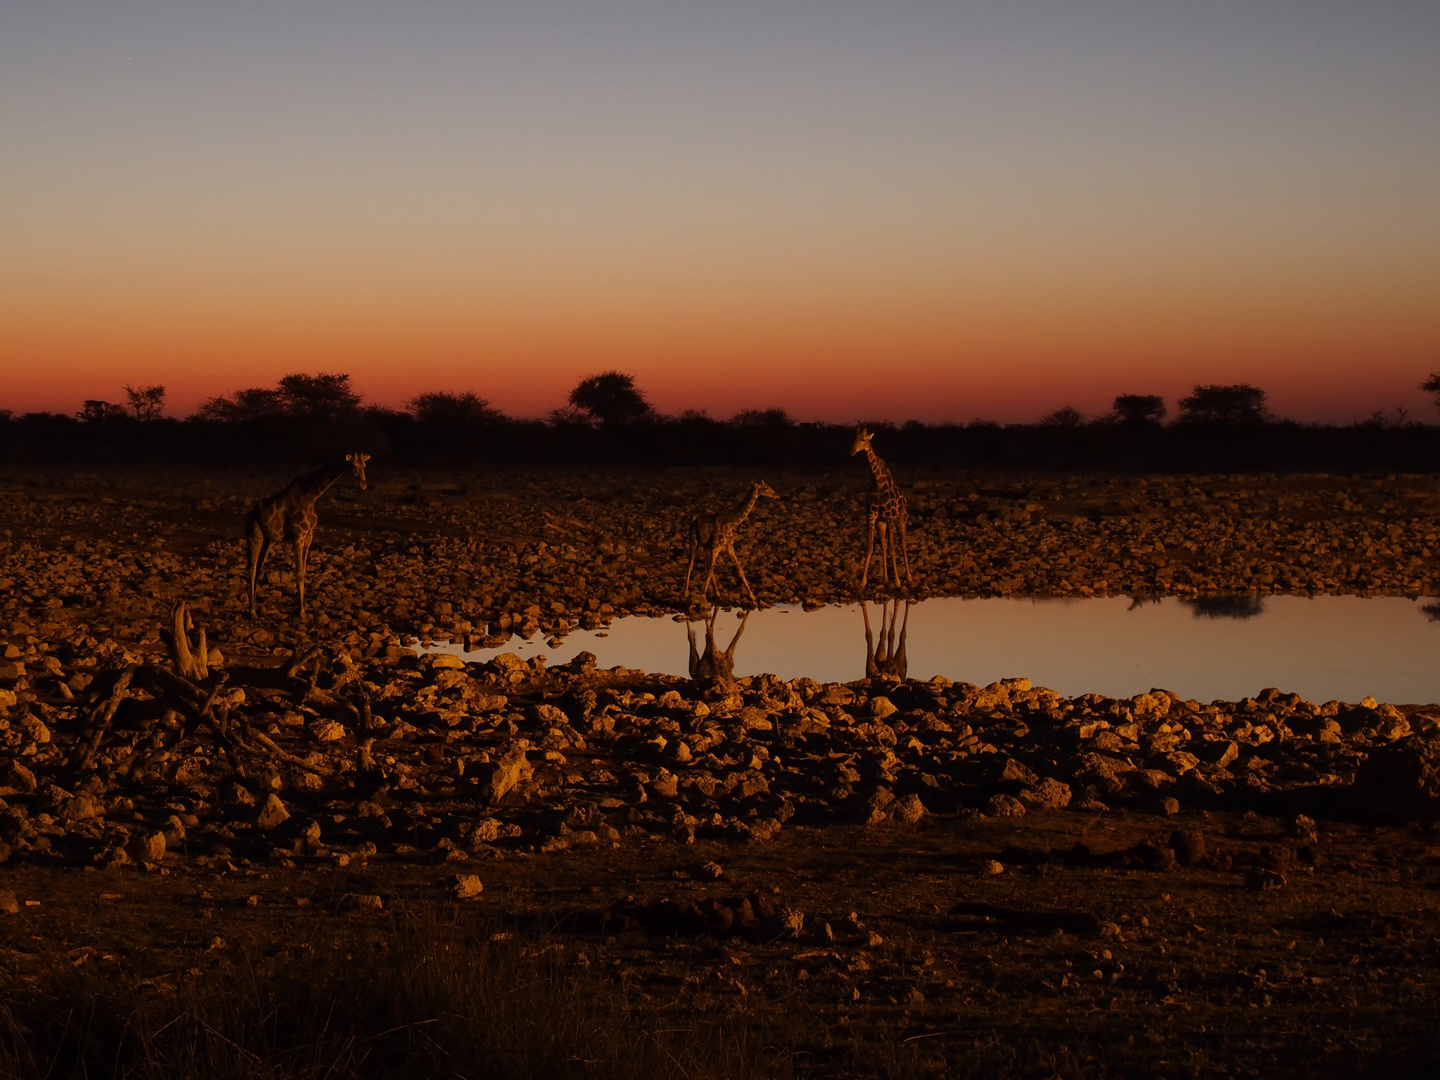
(882, 210)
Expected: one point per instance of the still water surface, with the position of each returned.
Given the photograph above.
(1325, 647)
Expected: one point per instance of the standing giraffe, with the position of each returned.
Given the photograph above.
(712, 663)
(714, 533)
(290, 515)
(888, 656)
(887, 509)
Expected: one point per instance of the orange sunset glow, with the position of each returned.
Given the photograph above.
(855, 214)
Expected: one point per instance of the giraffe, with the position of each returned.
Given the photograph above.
(714, 533)
(711, 663)
(290, 515)
(886, 509)
(888, 657)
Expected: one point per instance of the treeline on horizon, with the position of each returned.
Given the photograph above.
(607, 420)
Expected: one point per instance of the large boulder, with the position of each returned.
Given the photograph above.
(503, 774)
(1401, 780)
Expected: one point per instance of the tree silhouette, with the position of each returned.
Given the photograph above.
(762, 418)
(1432, 386)
(440, 407)
(322, 395)
(98, 411)
(310, 397)
(1235, 404)
(611, 399)
(145, 401)
(1136, 409)
(1243, 606)
(1068, 417)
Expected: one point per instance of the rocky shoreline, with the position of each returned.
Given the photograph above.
(352, 744)
(118, 757)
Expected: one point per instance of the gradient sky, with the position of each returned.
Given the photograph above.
(850, 210)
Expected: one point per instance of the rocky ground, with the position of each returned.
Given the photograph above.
(889, 877)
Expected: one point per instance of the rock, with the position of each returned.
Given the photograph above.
(1304, 830)
(991, 867)
(1188, 846)
(1048, 794)
(440, 661)
(881, 708)
(908, 809)
(1170, 806)
(4, 852)
(8, 699)
(1401, 780)
(466, 886)
(875, 807)
(323, 731)
(500, 777)
(21, 777)
(10, 670)
(1219, 754)
(8, 904)
(150, 848)
(1004, 806)
(81, 808)
(272, 814)
(1260, 879)
(762, 829)
(361, 902)
(486, 830)
(666, 785)
(708, 871)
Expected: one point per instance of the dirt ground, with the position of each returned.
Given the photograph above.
(842, 870)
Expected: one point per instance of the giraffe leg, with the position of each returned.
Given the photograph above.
(257, 546)
(869, 548)
(884, 528)
(905, 551)
(694, 550)
(302, 552)
(710, 577)
(741, 570)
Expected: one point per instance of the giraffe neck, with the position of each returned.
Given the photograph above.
(312, 485)
(743, 508)
(878, 470)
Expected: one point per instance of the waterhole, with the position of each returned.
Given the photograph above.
(1326, 647)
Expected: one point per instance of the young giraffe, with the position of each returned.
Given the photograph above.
(712, 663)
(290, 515)
(888, 657)
(715, 533)
(886, 509)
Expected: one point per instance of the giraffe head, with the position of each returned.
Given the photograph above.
(762, 488)
(862, 440)
(357, 466)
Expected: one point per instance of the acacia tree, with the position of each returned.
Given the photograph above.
(145, 401)
(312, 397)
(442, 407)
(96, 411)
(1233, 404)
(611, 399)
(1068, 417)
(1135, 409)
(1432, 386)
(762, 418)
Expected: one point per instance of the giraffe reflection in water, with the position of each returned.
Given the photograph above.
(711, 663)
(887, 656)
